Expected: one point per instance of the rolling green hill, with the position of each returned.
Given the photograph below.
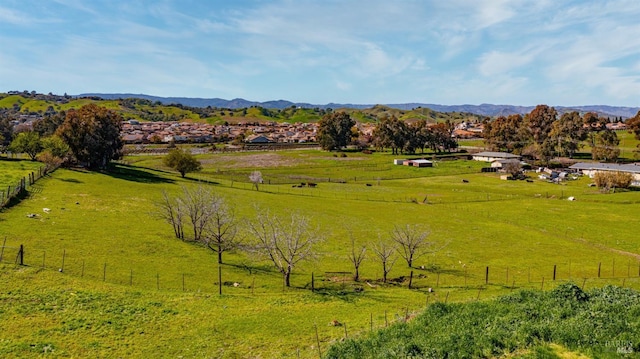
(146, 110)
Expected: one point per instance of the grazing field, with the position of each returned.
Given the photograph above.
(101, 266)
(12, 170)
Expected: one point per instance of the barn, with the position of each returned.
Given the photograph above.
(590, 169)
(419, 163)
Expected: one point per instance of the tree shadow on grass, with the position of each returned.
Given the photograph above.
(136, 174)
(70, 180)
(254, 268)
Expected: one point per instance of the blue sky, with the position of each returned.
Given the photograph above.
(520, 52)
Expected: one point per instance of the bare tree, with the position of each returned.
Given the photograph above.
(513, 168)
(356, 257)
(385, 253)
(196, 203)
(412, 241)
(256, 178)
(220, 233)
(171, 211)
(284, 241)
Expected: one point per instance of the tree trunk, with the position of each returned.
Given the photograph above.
(384, 272)
(356, 277)
(219, 254)
(287, 278)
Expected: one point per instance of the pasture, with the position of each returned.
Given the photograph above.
(102, 267)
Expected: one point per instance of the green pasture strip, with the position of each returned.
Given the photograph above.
(12, 171)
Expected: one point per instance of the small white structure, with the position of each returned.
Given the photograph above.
(494, 156)
(418, 163)
(503, 163)
(398, 162)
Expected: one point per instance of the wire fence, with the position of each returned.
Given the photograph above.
(248, 280)
(438, 283)
(21, 187)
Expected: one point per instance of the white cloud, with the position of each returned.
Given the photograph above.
(496, 62)
(15, 17)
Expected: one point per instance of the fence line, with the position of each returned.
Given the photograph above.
(429, 279)
(438, 284)
(21, 187)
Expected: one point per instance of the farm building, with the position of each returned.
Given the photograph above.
(503, 163)
(494, 156)
(418, 163)
(590, 169)
(398, 162)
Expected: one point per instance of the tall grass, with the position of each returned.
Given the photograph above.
(600, 323)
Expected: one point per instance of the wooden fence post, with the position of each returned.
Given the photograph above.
(599, 268)
(64, 254)
(486, 276)
(20, 257)
(3, 244)
(554, 272)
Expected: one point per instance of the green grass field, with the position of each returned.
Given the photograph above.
(12, 170)
(127, 288)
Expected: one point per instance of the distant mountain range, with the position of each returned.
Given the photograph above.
(483, 109)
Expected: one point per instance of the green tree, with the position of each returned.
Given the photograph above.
(27, 142)
(423, 134)
(334, 130)
(442, 139)
(48, 125)
(93, 135)
(182, 161)
(390, 132)
(606, 148)
(539, 123)
(6, 132)
(633, 124)
(593, 124)
(567, 133)
(56, 146)
(505, 134)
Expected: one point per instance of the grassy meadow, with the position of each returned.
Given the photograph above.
(104, 277)
(13, 170)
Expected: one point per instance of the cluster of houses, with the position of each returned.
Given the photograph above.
(135, 132)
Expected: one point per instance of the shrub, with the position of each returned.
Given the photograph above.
(609, 180)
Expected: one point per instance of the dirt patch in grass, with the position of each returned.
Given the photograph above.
(258, 160)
